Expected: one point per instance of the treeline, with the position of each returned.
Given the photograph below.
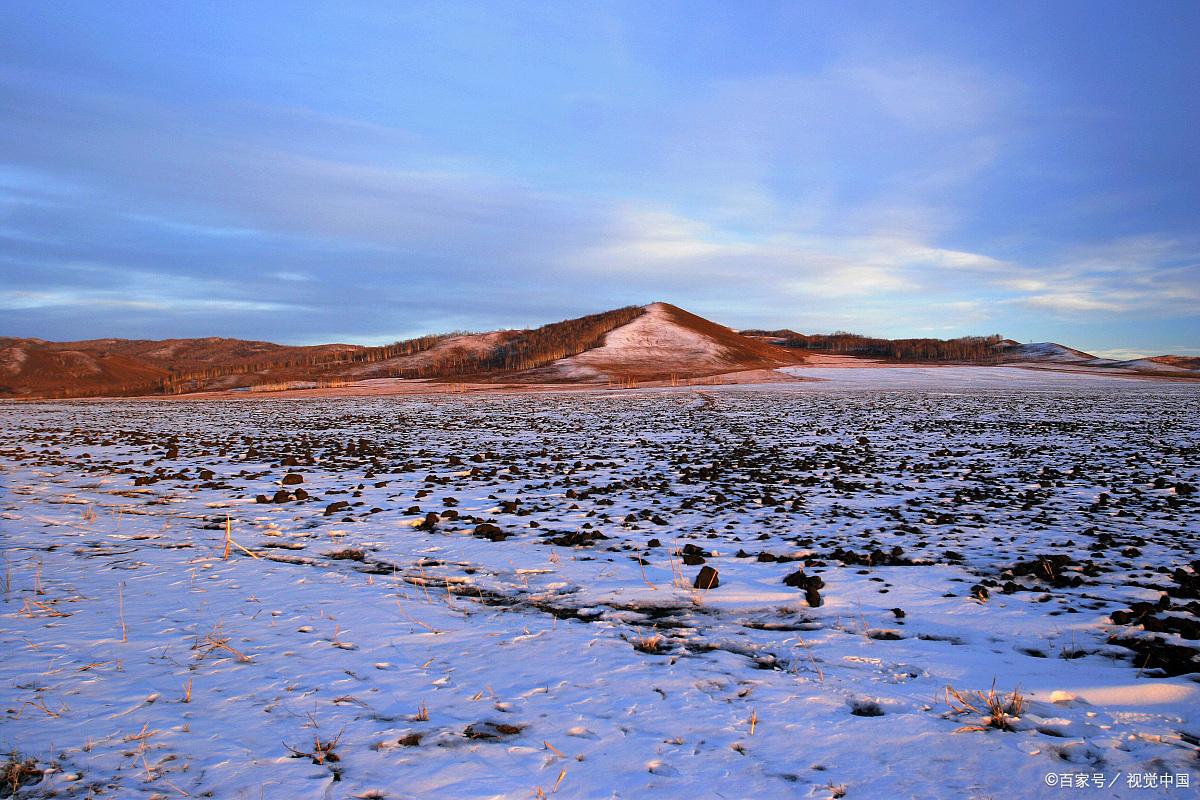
(966, 348)
(546, 344)
(191, 380)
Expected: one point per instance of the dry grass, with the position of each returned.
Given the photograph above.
(17, 772)
(811, 658)
(39, 703)
(121, 610)
(34, 607)
(994, 710)
(213, 641)
(655, 645)
(230, 543)
(322, 750)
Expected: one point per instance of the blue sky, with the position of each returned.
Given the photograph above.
(306, 172)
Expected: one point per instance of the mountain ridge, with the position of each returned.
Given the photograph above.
(655, 342)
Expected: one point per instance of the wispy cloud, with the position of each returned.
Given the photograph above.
(1141, 274)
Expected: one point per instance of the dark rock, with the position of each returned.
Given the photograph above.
(1170, 660)
(491, 730)
(349, 554)
(577, 538)
(493, 533)
(707, 578)
(800, 580)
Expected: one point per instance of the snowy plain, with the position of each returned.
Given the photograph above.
(475, 596)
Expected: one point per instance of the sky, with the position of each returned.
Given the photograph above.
(313, 172)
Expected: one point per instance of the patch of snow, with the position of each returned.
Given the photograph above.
(653, 341)
(1048, 351)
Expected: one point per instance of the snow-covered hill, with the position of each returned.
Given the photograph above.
(666, 341)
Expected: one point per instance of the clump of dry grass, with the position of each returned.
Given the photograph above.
(322, 750)
(997, 711)
(654, 645)
(214, 640)
(35, 607)
(17, 772)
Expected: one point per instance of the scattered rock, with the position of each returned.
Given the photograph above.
(707, 578)
(491, 730)
(493, 533)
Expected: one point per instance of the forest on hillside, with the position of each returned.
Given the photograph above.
(975, 349)
(528, 349)
(517, 350)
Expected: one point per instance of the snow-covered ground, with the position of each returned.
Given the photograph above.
(542, 634)
(884, 377)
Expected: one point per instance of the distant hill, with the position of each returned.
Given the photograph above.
(976, 350)
(656, 342)
(633, 343)
(1042, 351)
(38, 368)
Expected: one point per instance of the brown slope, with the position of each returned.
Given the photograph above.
(1178, 362)
(737, 346)
(30, 368)
(38, 368)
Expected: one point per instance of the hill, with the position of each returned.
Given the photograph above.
(665, 342)
(631, 343)
(656, 342)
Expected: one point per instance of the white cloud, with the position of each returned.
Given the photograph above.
(1122, 354)
(116, 300)
(1143, 274)
(1068, 301)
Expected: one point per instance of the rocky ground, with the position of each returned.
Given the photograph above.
(798, 590)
